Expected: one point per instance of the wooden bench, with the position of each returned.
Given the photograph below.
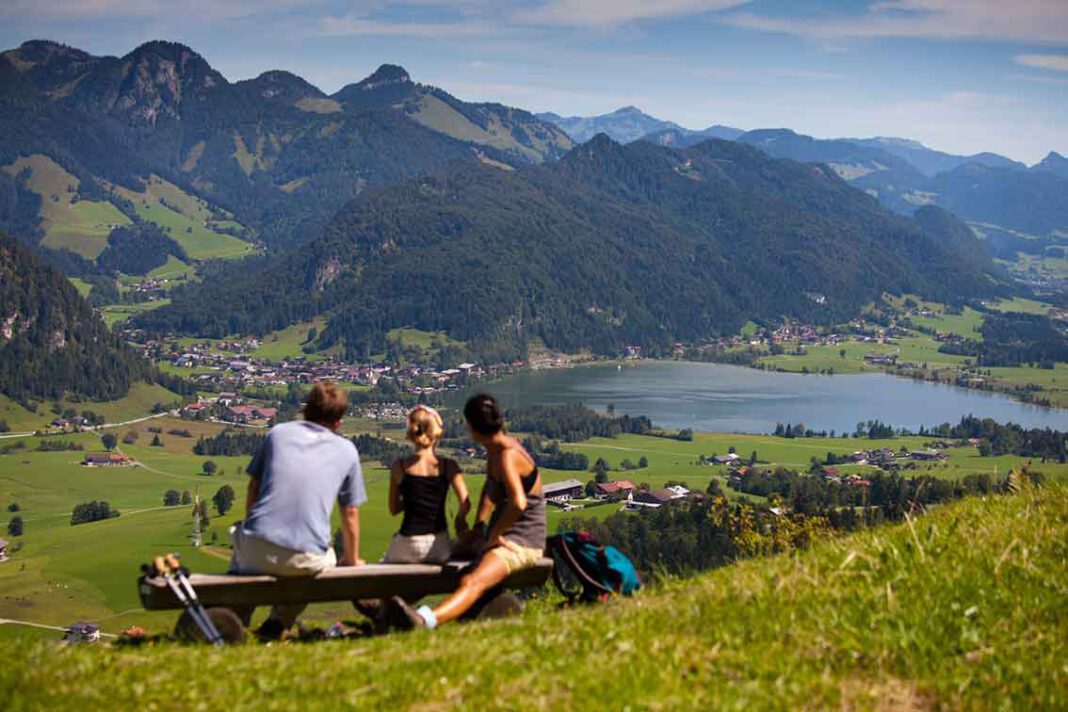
(221, 594)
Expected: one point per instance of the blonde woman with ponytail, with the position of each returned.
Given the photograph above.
(418, 488)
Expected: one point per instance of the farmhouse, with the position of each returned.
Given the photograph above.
(3, 550)
(728, 459)
(106, 459)
(613, 489)
(560, 492)
(928, 455)
(652, 499)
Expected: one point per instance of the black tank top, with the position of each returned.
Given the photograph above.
(423, 499)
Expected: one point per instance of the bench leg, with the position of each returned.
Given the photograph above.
(226, 621)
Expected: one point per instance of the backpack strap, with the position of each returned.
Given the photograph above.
(559, 544)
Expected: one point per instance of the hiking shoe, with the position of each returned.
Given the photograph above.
(402, 616)
(271, 630)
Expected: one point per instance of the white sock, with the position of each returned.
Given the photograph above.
(428, 616)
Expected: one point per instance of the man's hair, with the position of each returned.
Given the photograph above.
(326, 404)
(484, 414)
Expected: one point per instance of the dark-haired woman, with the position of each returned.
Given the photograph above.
(511, 516)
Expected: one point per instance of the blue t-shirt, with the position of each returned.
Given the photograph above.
(302, 469)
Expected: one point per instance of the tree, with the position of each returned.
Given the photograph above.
(14, 527)
(171, 498)
(156, 441)
(209, 467)
(13, 507)
(186, 497)
(753, 458)
(130, 437)
(224, 499)
(109, 440)
(643, 462)
(591, 489)
(600, 470)
(714, 489)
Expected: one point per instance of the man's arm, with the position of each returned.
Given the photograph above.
(350, 534)
(252, 495)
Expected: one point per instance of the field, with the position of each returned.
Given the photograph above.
(82, 227)
(117, 313)
(961, 609)
(64, 573)
(185, 218)
(287, 343)
(922, 351)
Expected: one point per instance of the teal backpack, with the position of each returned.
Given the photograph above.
(585, 570)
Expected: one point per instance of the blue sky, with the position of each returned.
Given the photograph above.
(959, 75)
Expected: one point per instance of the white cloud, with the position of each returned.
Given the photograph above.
(1042, 21)
(611, 13)
(68, 10)
(361, 26)
(1053, 62)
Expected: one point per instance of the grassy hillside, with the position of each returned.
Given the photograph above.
(82, 226)
(963, 608)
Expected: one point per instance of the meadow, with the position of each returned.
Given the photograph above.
(63, 573)
(961, 609)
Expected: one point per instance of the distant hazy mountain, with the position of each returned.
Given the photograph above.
(1053, 163)
(630, 124)
(931, 162)
(982, 188)
(612, 245)
(275, 152)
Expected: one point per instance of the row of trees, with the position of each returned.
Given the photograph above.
(574, 422)
(92, 512)
(232, 441)
(223, 499)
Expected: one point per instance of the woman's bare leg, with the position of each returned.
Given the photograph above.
(489, 572)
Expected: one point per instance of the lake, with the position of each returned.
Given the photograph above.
(721, 398)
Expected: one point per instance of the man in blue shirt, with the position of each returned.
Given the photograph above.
(302, 468)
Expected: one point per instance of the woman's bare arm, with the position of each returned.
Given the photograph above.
(460, 487)
(396, 476)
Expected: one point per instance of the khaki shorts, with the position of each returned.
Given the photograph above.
(419, 549)
(255, 555)
(515, 557)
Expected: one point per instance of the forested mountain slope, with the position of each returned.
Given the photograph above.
(612, 245)
(274, 151)
(51, 341)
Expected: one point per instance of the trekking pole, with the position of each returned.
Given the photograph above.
(182, 574)
(194, 609)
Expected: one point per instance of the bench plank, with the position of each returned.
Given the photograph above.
(337, 584)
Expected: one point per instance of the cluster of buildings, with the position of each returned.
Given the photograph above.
(228, 407)
(561, 494)
(106, 459)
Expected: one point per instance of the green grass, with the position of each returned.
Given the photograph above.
(1021, 306)
(117, 313)
(422, 339)
(173, 269)
(82, 287)
(185, 218)
(287, 343)
(963, 608)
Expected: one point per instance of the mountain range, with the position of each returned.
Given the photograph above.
(612, 245)
(274, 154)
(630, 124)
(903, 174)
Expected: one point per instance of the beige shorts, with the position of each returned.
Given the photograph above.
(255, 555)
(419, 549)
(516, 557)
